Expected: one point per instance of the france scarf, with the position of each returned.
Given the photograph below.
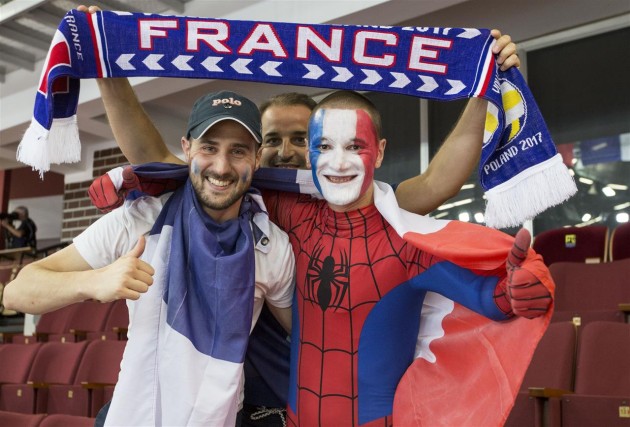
(520, 169)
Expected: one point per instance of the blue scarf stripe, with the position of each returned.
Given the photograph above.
(209, 295)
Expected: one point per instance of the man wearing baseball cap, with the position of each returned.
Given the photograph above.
(196, 266)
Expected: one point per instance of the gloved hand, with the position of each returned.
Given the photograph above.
(521, 293)
(106, 195)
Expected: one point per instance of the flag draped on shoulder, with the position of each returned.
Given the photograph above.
(520, 169)
(461, 356)
(180, 367)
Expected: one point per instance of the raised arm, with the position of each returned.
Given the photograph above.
(65, 278)
(457, 158)
(133, 130)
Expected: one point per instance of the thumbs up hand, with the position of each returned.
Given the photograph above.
(521, 293)
(128, 277)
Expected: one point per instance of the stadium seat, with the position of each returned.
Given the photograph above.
(590, 291)
(88, 316)
(573, 244)
(552, 366)
(54, 322)
(99, 367)
(54, 363)
(602, 378)
(16, 419)
(15, 364)
(63, 420)
(116, 324)
(620, 242)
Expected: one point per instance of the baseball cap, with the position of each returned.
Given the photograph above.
(224, 105)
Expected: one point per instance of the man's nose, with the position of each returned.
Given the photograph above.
(221, 164)
(286, 150)
(340, 159)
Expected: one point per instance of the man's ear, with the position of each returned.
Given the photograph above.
(381, 152)
(186, 144)
(258, 156)
(308, 159)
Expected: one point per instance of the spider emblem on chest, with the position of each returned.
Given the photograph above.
(327, 281)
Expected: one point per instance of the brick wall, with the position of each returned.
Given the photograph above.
(78, 212)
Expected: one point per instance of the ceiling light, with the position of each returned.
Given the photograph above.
(622, 217)
(585, 180)
(609, 192)
(479, 217)
(464, 216)
(618, 186)
(586, 217)
(622, 206)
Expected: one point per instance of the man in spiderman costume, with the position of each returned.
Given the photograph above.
(354, 273)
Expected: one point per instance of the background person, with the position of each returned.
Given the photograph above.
(25, 234)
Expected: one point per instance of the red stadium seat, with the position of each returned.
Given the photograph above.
(620, 242)
(54, 363)
(54, 322)
(602, 378)
(63, 420)
(573, 244)
(593, 291)
(15, 419)
(99, 367)
(89, 316)
(116, 324)
(15, 364)
(552, 366)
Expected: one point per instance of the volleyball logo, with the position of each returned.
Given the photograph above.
(515, 110)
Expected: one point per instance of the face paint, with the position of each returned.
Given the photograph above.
(343, 149)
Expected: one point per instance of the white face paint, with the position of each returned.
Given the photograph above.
(341, 162)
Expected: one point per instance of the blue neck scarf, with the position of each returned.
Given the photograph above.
(209, 295)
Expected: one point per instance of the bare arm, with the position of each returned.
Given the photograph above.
(454, 162)
(134, 131)
(11, 229)
(65, 278)
(282, 315)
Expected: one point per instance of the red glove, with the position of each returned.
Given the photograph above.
(521, 293)
(104, 193)
(108, 191)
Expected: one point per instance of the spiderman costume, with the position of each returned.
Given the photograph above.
(347, 264)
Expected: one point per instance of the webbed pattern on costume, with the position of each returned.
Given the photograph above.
(332, 253)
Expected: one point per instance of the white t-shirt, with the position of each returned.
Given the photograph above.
(154, 355)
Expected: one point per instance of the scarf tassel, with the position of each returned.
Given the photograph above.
(40, 147)
(529, 193)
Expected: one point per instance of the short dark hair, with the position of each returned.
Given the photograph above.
(349, 99)
(23, 208)
(288, 99)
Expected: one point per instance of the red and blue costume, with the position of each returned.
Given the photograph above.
(357, 311)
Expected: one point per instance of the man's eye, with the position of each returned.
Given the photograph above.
(323, 147)
(353, 147)
(272, 142)
(299, 141)
(208, 148)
